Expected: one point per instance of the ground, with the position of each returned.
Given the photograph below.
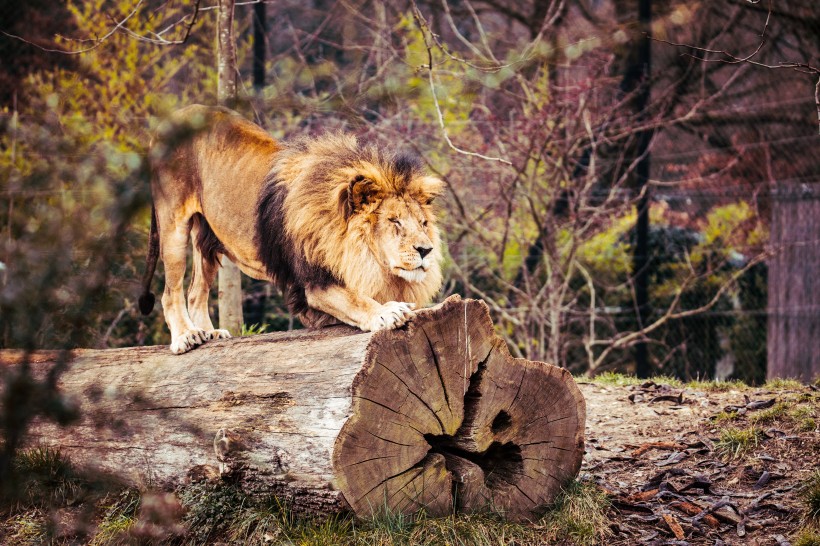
(664, 453)
(666, 463)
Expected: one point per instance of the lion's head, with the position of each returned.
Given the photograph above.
(365, 214)
(390, 205)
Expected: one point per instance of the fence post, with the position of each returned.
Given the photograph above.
(794, 283)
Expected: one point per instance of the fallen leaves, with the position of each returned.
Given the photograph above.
(668, 482)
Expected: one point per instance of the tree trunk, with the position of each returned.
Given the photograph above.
(230, 278)
(260, 29)
(435, 416)
(794, 288)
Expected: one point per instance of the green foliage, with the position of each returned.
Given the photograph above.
(76, 182)
(71, 209)
(454, 98)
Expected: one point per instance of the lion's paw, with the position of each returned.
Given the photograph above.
(218, 334)
(187, 340)
(392, 314)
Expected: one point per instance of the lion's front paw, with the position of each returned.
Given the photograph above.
(187, 340)
(218, 334)
(392, 314)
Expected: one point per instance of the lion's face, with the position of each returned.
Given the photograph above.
(405, 238)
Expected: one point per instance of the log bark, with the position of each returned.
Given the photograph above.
(435, 416)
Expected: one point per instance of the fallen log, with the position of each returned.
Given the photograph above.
(435, 416)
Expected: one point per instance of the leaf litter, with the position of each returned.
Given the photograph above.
(655, 450)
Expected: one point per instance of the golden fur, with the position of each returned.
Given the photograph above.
(346, 230)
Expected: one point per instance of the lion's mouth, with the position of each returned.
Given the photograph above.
(413, 275)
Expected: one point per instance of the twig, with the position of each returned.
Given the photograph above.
(431, 81)
(98, 43)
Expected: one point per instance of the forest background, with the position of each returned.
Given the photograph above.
(534, 113)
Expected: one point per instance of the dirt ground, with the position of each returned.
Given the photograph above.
(720, 465)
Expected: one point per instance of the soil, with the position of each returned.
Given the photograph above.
(657, 452)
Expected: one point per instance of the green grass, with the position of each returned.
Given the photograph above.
(615, 379)
(220, 512)
(46, 477)
(777, 412)
(783, 384)
(736, 442)
(119, 518)
(579, 515)
(718, 386)
(726, 417)
(210, 510)
(794, 412)
(807, 537)
(252, 330)
(810, 495)
(26, 528)
(807, 425)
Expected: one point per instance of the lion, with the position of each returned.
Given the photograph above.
(345, 230)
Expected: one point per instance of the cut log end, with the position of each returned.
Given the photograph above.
(444, 419)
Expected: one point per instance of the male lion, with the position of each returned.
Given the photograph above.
(346, 231)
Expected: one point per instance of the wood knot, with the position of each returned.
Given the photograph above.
(228, 445)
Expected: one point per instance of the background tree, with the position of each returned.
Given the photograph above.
(230, 278)
(517, 105)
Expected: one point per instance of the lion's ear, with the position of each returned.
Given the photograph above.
(360, 192)
(427, 188)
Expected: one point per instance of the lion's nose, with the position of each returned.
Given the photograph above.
(423, 250)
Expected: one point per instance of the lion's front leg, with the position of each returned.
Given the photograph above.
(360, 311)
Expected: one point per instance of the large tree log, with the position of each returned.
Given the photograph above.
(435, 416)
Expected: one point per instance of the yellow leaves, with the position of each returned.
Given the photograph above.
(608, 252)
(455, 100)
(723, 222)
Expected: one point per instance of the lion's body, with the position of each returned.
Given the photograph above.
(344, 230)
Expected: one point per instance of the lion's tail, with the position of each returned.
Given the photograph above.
(147, 299)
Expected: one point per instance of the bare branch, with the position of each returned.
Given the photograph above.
(423, 27)
(98, 42)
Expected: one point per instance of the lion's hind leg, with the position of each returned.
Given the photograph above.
(206, 266)
(185, 335)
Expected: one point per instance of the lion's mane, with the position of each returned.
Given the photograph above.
(307, 233)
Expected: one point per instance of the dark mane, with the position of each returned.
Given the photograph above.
(281, 255)
(407, 165)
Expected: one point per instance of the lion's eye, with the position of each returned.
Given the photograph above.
(395, 221)
(424, 223)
